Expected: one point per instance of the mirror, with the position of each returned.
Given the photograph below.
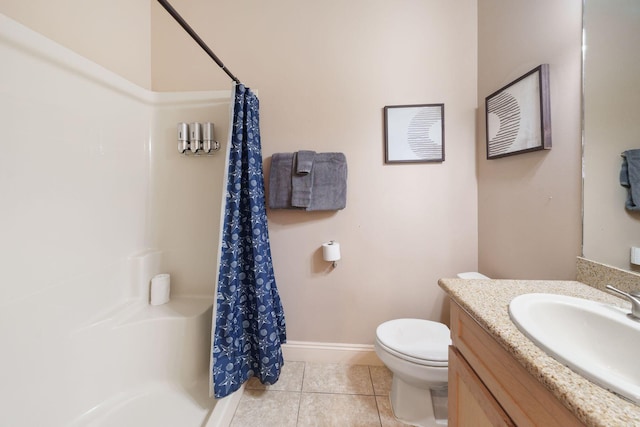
(611, 62)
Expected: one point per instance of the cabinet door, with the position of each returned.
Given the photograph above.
(470, 402)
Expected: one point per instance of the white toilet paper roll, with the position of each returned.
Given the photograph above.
(331, 251)
(160, 289)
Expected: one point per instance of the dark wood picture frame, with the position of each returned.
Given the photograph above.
(518, 116)
(414, 133)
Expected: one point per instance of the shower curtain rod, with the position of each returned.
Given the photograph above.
(196, 37)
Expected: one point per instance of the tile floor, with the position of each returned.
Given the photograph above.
(322, 395)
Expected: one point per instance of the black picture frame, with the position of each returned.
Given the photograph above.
(414, 133)
(518, 116)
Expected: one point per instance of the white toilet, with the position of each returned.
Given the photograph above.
(416, 352)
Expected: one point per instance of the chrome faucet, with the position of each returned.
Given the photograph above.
(634, 297)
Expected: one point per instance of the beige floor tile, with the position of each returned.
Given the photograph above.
(290, 379)
(267, 409)
(381, 377)
(337, 410)
(386, 413)
(336, 378)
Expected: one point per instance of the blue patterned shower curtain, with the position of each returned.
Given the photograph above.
(249, 323)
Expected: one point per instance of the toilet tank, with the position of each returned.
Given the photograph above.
(472, 275)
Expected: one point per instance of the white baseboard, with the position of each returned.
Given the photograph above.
(348, 354)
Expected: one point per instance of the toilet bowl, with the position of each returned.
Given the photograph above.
(416, 352)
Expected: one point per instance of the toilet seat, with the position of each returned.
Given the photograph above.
(416, 340)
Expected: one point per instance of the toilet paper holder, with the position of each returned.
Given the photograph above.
(331, 252)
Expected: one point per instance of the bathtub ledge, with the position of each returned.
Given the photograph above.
(177, 308)
(137, 311)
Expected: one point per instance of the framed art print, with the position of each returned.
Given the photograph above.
(518, 116)
(414, 133)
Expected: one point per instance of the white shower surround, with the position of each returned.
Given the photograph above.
(80, 343)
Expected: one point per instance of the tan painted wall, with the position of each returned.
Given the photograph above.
(611, 127)
(324, 72)
(112, 33)
(529, 205)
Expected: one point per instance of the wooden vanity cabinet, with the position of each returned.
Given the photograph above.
(488, 387)
(470, 402)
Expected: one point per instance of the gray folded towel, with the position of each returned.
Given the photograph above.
(302, 179)
(304, 161)
(280, 181)
(325, 184)
(329, 182)
(630, 178)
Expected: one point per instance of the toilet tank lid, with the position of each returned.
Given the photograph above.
(419, 338)
(472, 275)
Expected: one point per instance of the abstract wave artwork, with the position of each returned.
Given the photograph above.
(518, 119)
(414, 133)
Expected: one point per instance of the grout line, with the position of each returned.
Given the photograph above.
(339, 393)
(375, 397)
(373, 387)
(304, 368)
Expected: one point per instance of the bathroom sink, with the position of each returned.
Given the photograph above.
(596, 340)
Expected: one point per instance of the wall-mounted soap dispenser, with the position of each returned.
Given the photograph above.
(208, 141)
(183, 137)
(196, 138)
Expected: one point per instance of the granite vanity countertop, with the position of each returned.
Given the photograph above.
(488, 302)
